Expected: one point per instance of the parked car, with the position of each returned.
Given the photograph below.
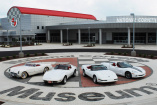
(125, 69)
(60, 74)
(99, 73)
(29, 69)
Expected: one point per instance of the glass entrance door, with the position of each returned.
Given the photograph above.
(55, 37)
(139, 38)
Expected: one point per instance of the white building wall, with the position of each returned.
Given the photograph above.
(41, 20)
(29, 23)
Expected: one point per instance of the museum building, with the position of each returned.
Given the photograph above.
(53, 26)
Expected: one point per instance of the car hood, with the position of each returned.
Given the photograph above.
(54, 75)
(19, 68)
(139, 69)
(103, 74)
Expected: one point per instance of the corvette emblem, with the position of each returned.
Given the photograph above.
(14, 22)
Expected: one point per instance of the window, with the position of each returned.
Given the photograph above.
(5, 39)
(42, 27)
(13, 39)
(29, 38)
(37, 27)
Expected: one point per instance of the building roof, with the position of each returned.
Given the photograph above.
(35, 11)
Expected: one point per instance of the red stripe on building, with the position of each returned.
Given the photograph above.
(35, 11)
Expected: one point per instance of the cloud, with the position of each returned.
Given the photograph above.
(99, 8)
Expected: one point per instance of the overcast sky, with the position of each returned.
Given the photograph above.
(99, 8)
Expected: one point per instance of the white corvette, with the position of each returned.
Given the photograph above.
(125, 69)
(99, 73)
(29, 69)
(60, 74)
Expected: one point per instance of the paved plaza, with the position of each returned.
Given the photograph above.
(78, 46)
(79, 90)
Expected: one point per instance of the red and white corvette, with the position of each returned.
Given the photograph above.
(29, 69)
(125, 69)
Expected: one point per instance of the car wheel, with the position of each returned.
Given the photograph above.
(84, 73)
(24, 75)
(45, 82)
(95, 79)
(64, 81)
(46, 69)
(74, 74)
(128, 75)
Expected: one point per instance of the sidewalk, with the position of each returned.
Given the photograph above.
(77, 46)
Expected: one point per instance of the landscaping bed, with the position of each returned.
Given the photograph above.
(150, 56)
(25, 56)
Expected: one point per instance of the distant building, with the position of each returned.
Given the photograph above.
(59, 27)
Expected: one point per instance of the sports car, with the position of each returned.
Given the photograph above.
(60, 74)
(125, 69)
(29, 69)
(99, 73)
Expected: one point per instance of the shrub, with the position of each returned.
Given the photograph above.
(35, 54)
(140, 55)
(119, 53)
(14, 56)
(28, 55)
(43, 53)
(125, 53)
(152, 56)
(112, 53)
(144, 55)
(7, 57)
(0, 58)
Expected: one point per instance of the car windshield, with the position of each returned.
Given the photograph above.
(124, 65)
(98, 67)
(63, 67)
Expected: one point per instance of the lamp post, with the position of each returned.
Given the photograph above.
(67, 35)
(133, 53)
(89, 34)
(14, 16)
